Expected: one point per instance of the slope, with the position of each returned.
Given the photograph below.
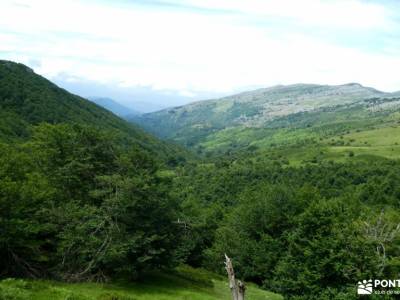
(265, 117)
(28, 99)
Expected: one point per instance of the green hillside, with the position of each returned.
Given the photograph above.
(81, 190)
(27, 99)
(91, 207)
(277, 116)
(367, 127)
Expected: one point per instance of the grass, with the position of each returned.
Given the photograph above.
(383, 142)
(184, 283)
(379, 143)
(260, 137)
(385, 136)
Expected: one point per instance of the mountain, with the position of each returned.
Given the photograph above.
(28, 99)
(219, 121)
(113, 106)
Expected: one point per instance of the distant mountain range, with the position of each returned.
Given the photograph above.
(114, 106)
(202, 123)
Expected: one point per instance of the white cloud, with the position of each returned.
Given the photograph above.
(195, 52)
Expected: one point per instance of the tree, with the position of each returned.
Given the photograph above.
(76, 206)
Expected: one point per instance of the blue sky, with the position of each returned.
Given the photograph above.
(158, 53)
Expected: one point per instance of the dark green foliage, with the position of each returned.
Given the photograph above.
(23, 191)
(76, 206)
(298, 231)
(80, 195)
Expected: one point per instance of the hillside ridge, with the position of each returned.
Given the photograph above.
(252, 109)
(28, 99)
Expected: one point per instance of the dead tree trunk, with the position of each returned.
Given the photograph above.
(237, 287)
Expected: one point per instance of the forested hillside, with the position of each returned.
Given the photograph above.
(27, 99)
(306, 232)
(80, 194)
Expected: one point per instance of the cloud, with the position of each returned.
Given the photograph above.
(195, 47)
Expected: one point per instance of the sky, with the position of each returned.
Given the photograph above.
(151, 54)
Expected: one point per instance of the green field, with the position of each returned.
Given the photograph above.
(378, 143)
(182, 284)
(382, 142)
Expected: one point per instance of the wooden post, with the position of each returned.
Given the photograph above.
(237, 287)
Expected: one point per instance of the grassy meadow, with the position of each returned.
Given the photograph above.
(376, 143)
(184, 283)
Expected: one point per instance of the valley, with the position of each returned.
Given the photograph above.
(199, 150)
(297, 184)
